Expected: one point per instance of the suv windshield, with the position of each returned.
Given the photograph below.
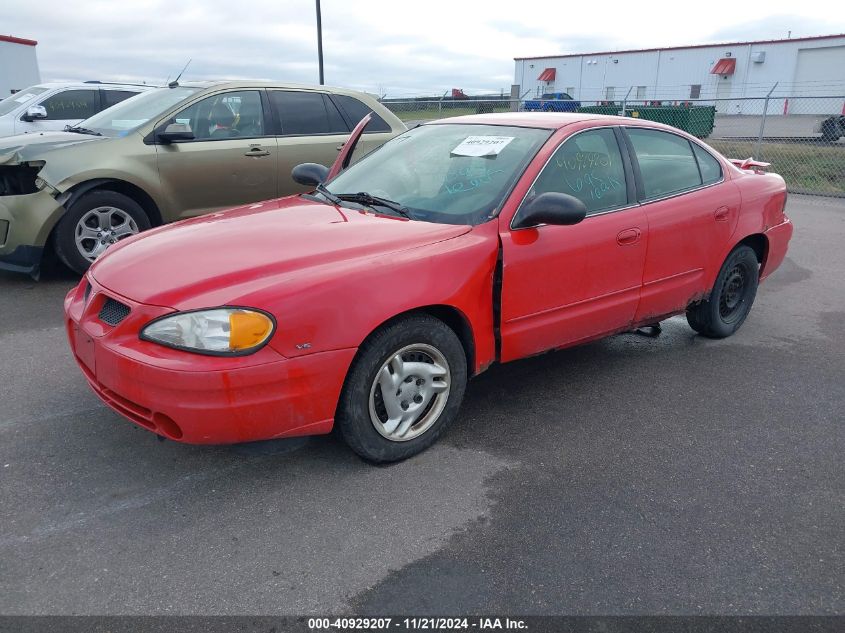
(448, 173)
(16, 100)
(135, 111)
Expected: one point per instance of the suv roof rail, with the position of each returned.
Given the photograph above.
(114, 83)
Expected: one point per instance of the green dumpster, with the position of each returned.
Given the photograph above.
(601, 109)
(695, 120)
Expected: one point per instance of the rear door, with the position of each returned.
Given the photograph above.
(231, 161)
(377, 132)
(691, 215)
(565, 284)
(310, 130)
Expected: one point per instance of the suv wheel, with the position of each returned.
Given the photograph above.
(94, 222)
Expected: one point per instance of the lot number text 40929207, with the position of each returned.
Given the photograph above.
(417, 623)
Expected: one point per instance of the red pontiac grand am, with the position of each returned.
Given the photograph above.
(369, 302)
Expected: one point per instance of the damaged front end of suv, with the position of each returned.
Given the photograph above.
(29, 209)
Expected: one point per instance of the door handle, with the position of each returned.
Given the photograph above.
(722, 214)
(628, 237)
(340, 147)
(257, 151)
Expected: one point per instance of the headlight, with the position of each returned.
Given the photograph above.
(223, 331)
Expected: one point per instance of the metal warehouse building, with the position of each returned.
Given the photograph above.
(18, 64)
(805, 66)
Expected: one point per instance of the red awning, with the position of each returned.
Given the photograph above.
(547, 75)
(725, 66)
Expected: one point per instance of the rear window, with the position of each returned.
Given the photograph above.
(113, 97)
(354, 110)
(711, 171)
(306, 113)
(666, 162)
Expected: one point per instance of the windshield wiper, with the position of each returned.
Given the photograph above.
(81, 130)
(321, 188)
(362, 197)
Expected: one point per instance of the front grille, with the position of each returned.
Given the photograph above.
(113, 312)
(87, 292)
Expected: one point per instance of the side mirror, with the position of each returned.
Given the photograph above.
(309, 174)
(176, 132)
(551, 208)
(34, 112)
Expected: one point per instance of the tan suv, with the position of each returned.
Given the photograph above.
(167, 154)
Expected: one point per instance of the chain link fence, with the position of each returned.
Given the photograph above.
(802, 137)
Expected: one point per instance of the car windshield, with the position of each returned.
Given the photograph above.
(130, 114)
(19, 98)
(447, 173)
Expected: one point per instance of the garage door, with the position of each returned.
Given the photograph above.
(819, 73)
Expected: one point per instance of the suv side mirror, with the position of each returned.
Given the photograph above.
(176, 132)
(551, 208)
(34, 112)
(309, 174)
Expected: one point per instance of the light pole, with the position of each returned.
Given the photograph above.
(320, 42)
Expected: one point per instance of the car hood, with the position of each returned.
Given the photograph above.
(22, 148)
(227, 255)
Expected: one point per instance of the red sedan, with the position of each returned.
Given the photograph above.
(369, 302)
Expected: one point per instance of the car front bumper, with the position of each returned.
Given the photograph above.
(25, 225)
(194, 398)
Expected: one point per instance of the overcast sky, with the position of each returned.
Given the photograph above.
(396, 47)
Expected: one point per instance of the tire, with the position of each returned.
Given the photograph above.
(427, 408)
(731, 298)
(88, 217)
(830, 131)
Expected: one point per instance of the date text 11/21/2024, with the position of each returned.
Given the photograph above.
(417, 623)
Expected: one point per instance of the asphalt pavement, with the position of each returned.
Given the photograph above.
(628, 476)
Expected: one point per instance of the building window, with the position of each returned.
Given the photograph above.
(610, 93)
(640, 92)
(695, 91)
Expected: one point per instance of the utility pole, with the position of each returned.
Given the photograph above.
(320, 42)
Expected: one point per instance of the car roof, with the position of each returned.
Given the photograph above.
(544, 120)
(89, 84)
(256, 83)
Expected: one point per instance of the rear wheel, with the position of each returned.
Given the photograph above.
(403, 389)
(731, 298)
(93, 223)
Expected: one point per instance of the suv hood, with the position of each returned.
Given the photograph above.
(23, 148)
(221, 257)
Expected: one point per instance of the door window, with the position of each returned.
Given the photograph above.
(666, 162)
(226, 115)
(72, 104)
(113, 97)
(306, 113)
(589, 167)
(711, 170)
(355, 110)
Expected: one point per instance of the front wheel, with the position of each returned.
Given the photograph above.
(93, 223)
(731, 298)
(404, 387)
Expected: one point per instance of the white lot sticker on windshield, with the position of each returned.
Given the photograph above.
(24, 97)
(481, 145)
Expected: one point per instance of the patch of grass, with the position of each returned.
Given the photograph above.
(431, 112)
(806, 167)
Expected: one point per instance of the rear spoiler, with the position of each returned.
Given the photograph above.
(749, 163)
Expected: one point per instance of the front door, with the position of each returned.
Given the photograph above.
(565, 284)
(67, 107)
(230, 162)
